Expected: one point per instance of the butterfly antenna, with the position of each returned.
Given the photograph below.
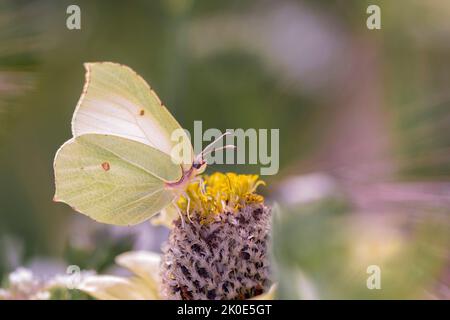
(228, 146)
(212, 143)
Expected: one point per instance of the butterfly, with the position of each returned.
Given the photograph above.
(122, 165)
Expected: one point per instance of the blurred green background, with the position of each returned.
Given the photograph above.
(363, 117)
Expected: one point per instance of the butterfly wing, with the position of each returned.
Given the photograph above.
(113, 179)
(117, 101)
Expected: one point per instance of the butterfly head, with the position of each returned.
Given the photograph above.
(199, 165)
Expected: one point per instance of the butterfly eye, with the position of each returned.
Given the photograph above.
(196, 165)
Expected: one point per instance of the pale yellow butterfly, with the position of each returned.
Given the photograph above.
(118, 167)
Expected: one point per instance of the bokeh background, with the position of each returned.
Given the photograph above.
(363, 116)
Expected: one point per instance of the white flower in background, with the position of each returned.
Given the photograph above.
(143, 284)
(23, 285)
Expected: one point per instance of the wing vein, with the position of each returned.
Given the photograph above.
(130, 162)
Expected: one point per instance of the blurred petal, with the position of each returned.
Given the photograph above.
(117, 288)
(144, 264)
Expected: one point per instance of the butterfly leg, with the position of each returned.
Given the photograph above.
(179, 213)
(201, 183)
(202, 186)
(188, 213)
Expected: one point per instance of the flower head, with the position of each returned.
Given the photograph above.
(222, 252)
(220, 192)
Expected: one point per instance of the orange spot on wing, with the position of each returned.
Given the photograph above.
(106, 166)
(142, 112)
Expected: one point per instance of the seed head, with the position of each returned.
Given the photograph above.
(221, 252)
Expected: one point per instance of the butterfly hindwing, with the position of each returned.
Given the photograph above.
(113, 179)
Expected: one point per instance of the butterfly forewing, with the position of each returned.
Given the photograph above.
(117, 101)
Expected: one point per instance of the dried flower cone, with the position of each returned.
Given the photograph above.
(223, 259)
